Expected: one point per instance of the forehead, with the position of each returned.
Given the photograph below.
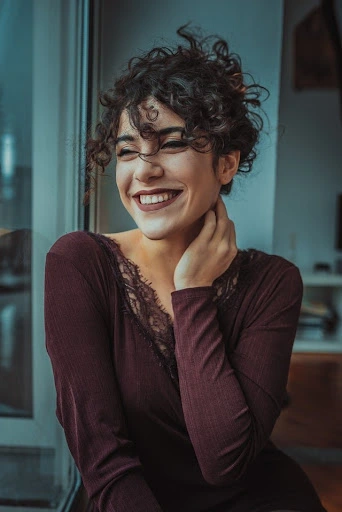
(160, 114)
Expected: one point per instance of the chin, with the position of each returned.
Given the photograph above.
(157, 230)
(154, 234)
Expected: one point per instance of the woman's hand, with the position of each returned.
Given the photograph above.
(210, 254)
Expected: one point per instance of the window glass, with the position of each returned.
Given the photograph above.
(40, 42)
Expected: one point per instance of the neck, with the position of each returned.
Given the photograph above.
(164, 255)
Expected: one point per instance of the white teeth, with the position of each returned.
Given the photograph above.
(153, 199)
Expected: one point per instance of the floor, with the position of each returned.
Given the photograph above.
(310, 428)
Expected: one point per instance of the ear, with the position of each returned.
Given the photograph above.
(228, 166)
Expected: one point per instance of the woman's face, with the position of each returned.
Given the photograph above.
(169, 192)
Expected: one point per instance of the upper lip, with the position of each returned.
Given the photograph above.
(155, 191)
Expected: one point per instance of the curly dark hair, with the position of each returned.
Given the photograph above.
(203, 83)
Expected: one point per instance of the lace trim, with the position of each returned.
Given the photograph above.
(142, 303)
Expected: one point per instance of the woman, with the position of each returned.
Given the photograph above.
(170, 346)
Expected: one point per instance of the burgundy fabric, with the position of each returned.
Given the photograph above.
(145, 442)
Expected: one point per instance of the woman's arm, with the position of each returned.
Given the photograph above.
(231, 403)
(88, 403)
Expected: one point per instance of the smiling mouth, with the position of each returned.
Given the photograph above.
(160, 199)
(157, 198)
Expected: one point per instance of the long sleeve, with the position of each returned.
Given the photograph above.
(88, 402)
(231, 402)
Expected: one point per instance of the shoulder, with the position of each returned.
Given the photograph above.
(71, 245)
(277, 281)
(272, 287)
(268, 264)
(271, 271)
(83, 250)
(72, 242)
(77, 247)
(80, 260)
(78, 273)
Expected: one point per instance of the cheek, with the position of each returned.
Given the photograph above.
(121, 187)
(118, 183)
(121, 181)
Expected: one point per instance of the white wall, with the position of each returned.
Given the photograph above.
(254, 30)
(309, 173)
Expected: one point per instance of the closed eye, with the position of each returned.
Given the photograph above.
(171, 144)
(126, 152)
(174, 144)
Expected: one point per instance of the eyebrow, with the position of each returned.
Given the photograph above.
(163, 131)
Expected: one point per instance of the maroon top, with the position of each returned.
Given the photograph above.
(172, 418)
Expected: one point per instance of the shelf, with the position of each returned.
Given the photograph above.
(326, 342)
(321, 279)
(329, 343)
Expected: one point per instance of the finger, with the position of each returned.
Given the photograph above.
(209, 227)
(225, 246)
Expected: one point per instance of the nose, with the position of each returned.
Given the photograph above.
(148, 168)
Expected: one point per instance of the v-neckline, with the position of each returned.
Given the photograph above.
(148, 285)
(136, 270)
(143, 305)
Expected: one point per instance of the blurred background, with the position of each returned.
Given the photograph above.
(55, 56)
